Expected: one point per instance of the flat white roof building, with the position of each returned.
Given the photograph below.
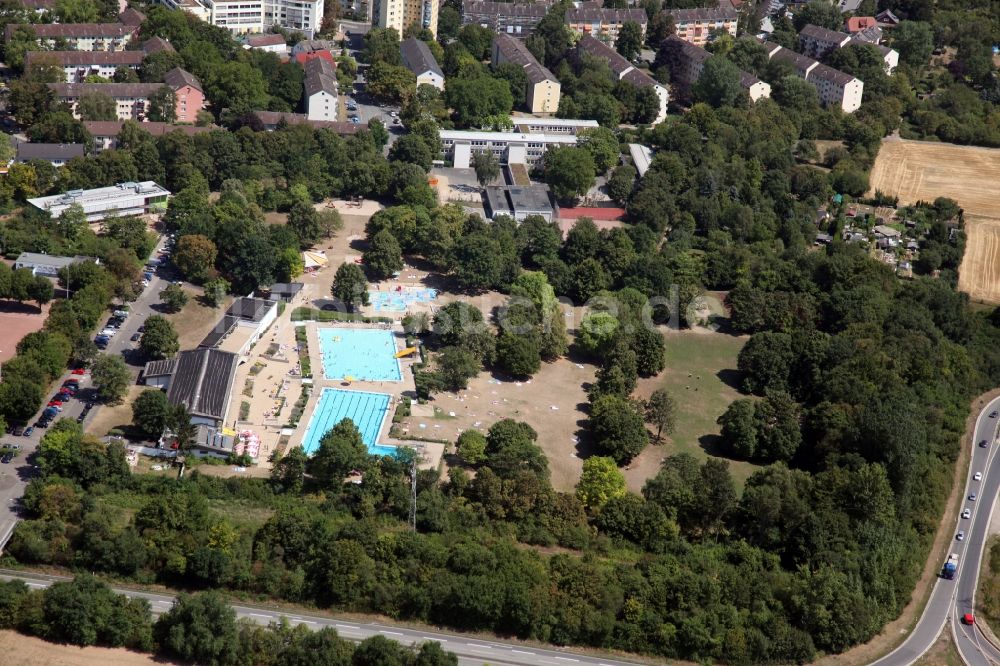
(642, 157)
(120, 199)
(508, 147)
(531, 125)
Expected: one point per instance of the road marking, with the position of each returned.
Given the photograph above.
(522, 652)
(566, 659)
(488, 647)
(306, 622)
(346, 626)
(428, 638)
(257, 615)
(391, 633)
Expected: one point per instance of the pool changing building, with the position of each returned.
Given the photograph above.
(120, 199)
(243, 324)
(200, 379)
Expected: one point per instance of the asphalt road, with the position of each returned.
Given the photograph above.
(470, 651)
(950, 599)
(14, 477)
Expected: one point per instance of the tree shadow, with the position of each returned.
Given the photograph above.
(14, 307)
(712, 445)
(585, 444)
(731, 378)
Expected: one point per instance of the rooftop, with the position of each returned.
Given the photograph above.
(321, 76)
(56, 30)
(599, 49)
(516, 52)
(84, 58)
(858, 23)
(527, 121)
(48, 151)
(721, 13)
(642, 157)
(825, 73)
(202, 381)
(155, 45)
(160, 368)
(260, 41)
(249, 309)
(99, 128)
(131, 16)
(504, 199)
(418, 57)
(510, 9)
(290, 288)
(100, 195)
(178, 78)
(595, 15)
(476, 135)
(33, 258)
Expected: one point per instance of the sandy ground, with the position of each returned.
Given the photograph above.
(20, 650)
(16, 321)
(108, 417)
(979, 275)
(920, 170)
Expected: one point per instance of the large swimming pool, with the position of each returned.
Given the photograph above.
(366, 354)
(367, 410)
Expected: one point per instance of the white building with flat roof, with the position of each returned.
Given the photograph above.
(120, 199)
(508, 147)
(530, 125)
(251, 16)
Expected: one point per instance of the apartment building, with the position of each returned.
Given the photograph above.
(686, 62)
(508, 147)
(623, 70)
(270, 42)
(833, 87)
(132, 99)
(121, 199)
(696, 25)
(79, 36)
(105, 132)
(321, 90)
(552, 125)
(604, 24)
(417, 57)
(78, 65)
(542, 92)
(252, 16)
(309, 49)
(517, 19)
(56, 154)
(817, 42)
(401, 14)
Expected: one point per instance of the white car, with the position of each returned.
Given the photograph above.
(960, 536)
(966, 513)
(972, 497)
(978, 476)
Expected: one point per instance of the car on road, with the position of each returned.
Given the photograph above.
(968, 619)
(993, 414)
(960, 536)
(972, 497)
(397, 121)
(984, 443)
(356, 121)
(142, 329)
(135, 337)
(966, 513)
(978, 476)
(394, 114)
(28, 431)
(7, 457)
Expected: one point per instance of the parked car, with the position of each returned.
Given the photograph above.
(142, 329)
(7, 457)
(993, 414)
(18, 431)
(135, 337)
(77, 371)
(28, 431)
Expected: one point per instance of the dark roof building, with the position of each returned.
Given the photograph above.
(85, 58)
(105, 132)
(517, 19)
(131, 16)
(284, 291)
(56, 154)
(178, 78)
(518, 202)
(418, 59)
(155, 45)
(202, 381)
(266, 40)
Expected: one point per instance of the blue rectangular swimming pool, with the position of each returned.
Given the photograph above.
(367, 410)
(366, 354)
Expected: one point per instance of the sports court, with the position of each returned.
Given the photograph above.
(362, 354)
(366, 410)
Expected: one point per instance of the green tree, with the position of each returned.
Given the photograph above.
(476, 100)
(288, 472)
(151, 412)
(569, 171)
(195, 257)
(199, 628)
(915, 42)
(383, 257)
(390, 83)
(350, 286)
(600, 482)
(111, 377)
(305, 222)
(471, 445)
(598, 331)
(719, 83)
(340, 451)
(739, 430)
(819, 12)
(486, 166)
(661, 411)
(96, 106)
(629, 42)
(518, 354)
(602, 144)
(215, 291)
(163, 105)
(618, 428)
(456, 366)
(173, 298)
(517, 81)
(159, 340)
(621, 183)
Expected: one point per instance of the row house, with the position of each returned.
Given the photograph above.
(604, 24)
(543, 89)
(132, 99)
(78, 65)
(78, 36)
(623, 70)
(832, 86)
(697, 25)
(686, 62)
(817, 42)
(321, 89)
(517, 19)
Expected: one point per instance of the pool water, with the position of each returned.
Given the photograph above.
(399, 301)
(365, 354)
(367, 410)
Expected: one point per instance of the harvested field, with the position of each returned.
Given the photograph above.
(21, 650)
(979, 275)
(921, 170)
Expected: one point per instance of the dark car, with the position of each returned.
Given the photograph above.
(142, 329)
(135, 337)
(28, 431)
(7, 457)
(81, 417)
(18, 431)
(984, 443)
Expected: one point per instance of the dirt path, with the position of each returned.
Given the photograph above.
(894, 632)
(20, 650)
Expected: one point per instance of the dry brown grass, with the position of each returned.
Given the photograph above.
(20, 650)
(979, 275)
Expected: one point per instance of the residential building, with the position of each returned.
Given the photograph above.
(305, 16)
(573, 126)
(686, 62)
(816, 42)
(250, 16)
(79, 36)
(604, 24)
(242, 325)
(886, 19)
(155, 45)
(132, 99)
(190, 96)
(542, 91)
(508, 147)
(56, 154)
(268, 121)
(401, 14)
(120, 199)
(517, 19)
(105, 132)
(270, 42)
(858, 23)
(48, 265)
(321, 90)
(623, 70)
(832, 86)
(78, 65)
(309, 49)
(417, 57)
(696, 25)
(889, 56)
(849, 6)
(200, 379)
(518, 202)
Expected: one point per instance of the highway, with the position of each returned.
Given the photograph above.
(951, 599)
(14, 477)
(470, 651)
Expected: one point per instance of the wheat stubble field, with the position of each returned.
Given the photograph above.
(922, 171)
